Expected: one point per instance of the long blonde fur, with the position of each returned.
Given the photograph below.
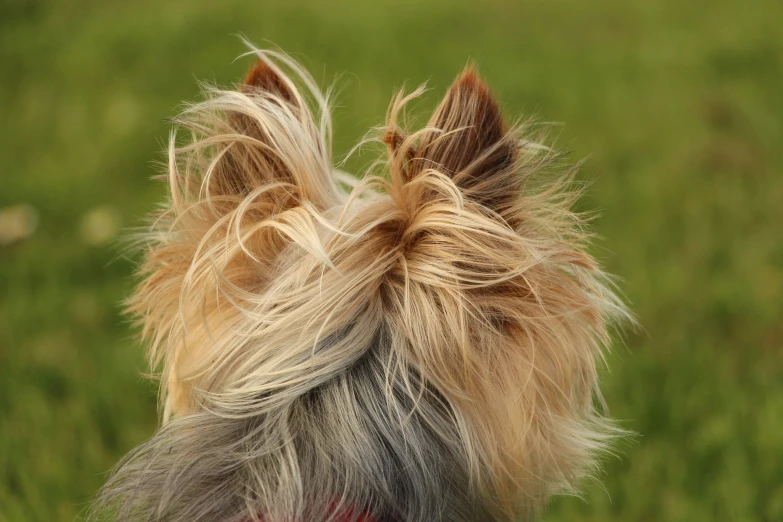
(421, 344)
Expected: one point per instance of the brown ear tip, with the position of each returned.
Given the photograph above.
(259, 74)
(472, 95)
(469, 81)
(263, 76)
(469, 74)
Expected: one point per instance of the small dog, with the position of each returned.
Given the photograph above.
(419, 344)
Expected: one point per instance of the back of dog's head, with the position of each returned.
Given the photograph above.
(419, 344)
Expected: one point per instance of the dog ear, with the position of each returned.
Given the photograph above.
(274, 141)
(468, 140)
(245, 184)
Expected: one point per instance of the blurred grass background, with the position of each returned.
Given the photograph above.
(677, 105)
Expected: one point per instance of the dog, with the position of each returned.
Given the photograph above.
(417, 344)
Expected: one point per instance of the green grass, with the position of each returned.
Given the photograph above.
(677, 106)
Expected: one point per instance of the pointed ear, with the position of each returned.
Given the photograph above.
(270, 137)
(470, 142)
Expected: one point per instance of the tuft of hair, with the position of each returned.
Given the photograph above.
(423, 346)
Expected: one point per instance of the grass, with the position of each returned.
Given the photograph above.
(676, 105)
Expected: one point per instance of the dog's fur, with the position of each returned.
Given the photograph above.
(420, 344)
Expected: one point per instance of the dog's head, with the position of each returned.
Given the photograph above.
(422, 341)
